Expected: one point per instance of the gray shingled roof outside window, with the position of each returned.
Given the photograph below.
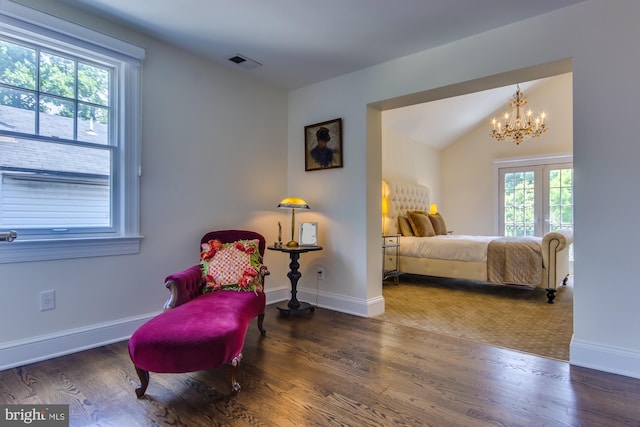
(24, 154)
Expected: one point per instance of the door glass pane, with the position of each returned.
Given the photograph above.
(519, 203)
(560, 199)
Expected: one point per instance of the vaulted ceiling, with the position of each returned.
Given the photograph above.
(439, 123)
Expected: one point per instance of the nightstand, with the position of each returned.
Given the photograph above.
(294, 306)
(391, 257)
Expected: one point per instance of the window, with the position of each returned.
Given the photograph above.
(535, 198)
(69, 138)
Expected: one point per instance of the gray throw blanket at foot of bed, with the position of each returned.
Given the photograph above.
(515, 260)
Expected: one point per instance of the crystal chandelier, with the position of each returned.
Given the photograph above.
(516, 127)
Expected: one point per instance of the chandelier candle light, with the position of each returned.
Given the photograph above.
(518, 129)
(293, 203)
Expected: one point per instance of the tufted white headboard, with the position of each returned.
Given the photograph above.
(401, 196)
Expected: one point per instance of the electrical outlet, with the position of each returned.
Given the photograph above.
(47, 300)
(320, 273)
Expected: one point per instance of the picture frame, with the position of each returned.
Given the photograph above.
(308, 234)
(323, 145)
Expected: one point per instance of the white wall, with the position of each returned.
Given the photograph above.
(214, 156)
(407, 159)
(462, 175)
(600, 38)
(242, 123)
(469, 186)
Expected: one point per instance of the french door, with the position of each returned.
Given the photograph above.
(535, 199)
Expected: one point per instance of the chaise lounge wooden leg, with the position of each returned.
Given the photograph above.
(233, 368)
(551, 295)
(263, 331)
(144, 382)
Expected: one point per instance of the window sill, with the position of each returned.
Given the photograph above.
(43, 250)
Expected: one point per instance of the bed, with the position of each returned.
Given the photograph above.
(530, 261)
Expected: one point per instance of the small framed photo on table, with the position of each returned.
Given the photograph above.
(308, 234)
(323, 145)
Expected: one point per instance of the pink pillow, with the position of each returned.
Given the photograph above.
(235, 265)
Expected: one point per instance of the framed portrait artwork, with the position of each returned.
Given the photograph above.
(323, 145)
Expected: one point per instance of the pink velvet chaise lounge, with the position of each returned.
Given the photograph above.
(199, 331)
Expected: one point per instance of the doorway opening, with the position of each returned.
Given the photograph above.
(448, 170)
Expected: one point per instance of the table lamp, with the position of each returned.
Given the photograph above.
(293, 203)
(385, 211)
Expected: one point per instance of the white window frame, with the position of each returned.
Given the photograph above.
(18, 20)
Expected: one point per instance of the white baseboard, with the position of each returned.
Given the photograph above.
(22, 352)
(603, 358)
(331, 301)
(277, 295)
(344, 304)
(44, 347)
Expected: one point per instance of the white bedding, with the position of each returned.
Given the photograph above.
(449, 247)
(462, 256)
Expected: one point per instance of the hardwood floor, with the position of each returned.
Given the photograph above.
(333, 369)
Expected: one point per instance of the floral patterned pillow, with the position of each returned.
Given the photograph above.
(236, 265)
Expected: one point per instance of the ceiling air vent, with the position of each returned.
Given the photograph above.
(243, 61)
